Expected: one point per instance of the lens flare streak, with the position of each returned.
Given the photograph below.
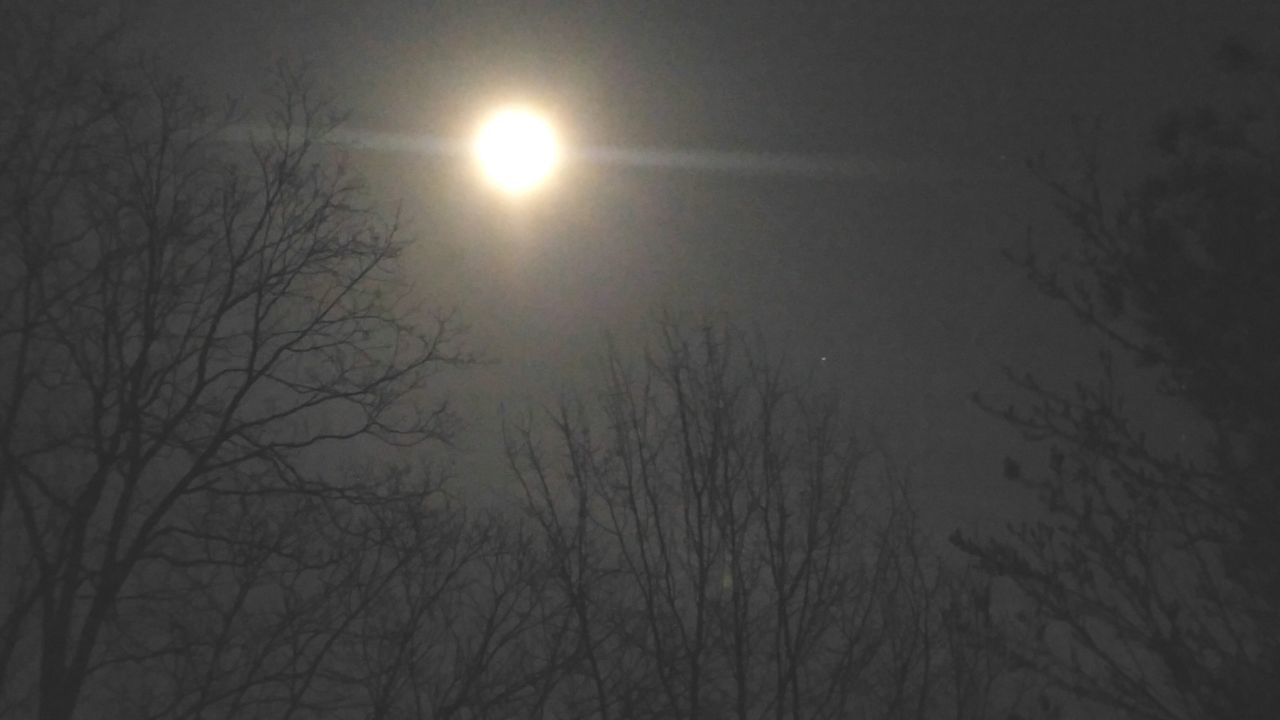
(713, 161)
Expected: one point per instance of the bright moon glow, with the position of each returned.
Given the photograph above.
(517, 150)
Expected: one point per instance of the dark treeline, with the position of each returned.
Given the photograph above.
(205, 348)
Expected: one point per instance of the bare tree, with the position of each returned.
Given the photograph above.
(1152, 575)
(188, 331)
(722, 545)
(456, 630)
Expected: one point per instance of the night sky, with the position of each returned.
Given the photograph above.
(894, 275)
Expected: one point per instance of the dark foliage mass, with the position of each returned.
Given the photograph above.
(219, 419)
(1156, 563)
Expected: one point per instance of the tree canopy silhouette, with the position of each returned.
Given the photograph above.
(1154, 571)
(189, 322)
(720, 542)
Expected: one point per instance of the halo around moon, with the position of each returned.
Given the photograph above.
(517, 150)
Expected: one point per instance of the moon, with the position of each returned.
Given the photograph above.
(517, 150)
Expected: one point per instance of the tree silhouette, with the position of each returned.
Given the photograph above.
(1154, 570)
(721, 544)
(190, 325)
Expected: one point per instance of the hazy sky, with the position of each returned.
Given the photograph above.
(894, 276)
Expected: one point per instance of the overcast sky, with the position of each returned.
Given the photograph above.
(893, 275)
